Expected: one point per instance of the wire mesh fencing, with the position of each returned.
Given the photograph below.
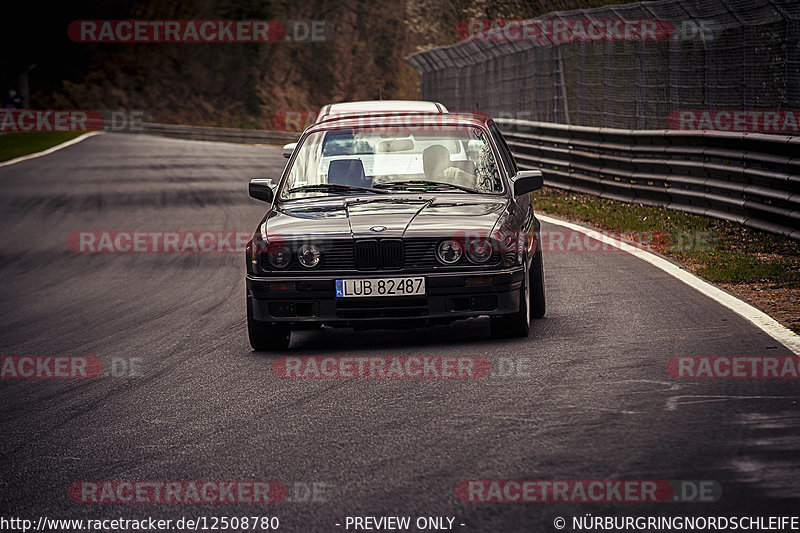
(649, 65)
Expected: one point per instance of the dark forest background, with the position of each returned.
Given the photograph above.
(236, 85)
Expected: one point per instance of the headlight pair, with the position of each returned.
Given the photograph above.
(478, 251)
(308, 255)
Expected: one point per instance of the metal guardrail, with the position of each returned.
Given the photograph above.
(206, 133)
(750, 178)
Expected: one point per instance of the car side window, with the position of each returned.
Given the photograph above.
(505, 152)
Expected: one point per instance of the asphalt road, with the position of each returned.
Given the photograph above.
(594, 403)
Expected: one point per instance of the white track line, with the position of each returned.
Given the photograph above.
(761, 320)
(50, 150)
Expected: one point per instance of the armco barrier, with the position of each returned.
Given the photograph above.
(206, 133)
(750, 178)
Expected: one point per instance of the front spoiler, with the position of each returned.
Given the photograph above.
(449, 296)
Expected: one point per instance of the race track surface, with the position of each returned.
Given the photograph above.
(593, 399)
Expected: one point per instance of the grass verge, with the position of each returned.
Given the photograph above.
(761, 268)
(23, 143)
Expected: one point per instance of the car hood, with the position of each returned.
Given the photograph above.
(359, 217)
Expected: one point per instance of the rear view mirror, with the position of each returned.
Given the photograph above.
(396, 145)
(288, 149)
(261, 189)
(527, 180)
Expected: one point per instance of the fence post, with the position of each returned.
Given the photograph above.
(608, 74)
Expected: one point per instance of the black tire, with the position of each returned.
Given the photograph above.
(265, 336)
(538, 306)
(517, 324)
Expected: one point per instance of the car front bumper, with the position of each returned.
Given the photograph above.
(449, 296)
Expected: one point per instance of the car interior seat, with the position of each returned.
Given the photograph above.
(435, 159)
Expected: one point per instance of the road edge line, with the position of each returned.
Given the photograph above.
(50, 150)
(759, 318)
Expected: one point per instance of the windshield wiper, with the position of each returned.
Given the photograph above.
(335, 187)
(425, 183)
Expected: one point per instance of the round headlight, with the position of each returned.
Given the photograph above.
(480, 250)
(449, 251)
(280, 258)
(309, 255)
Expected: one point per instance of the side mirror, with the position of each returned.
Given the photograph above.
(261, 189)
(288, 149)
(526, 181)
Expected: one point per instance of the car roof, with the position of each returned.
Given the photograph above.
(378, 106)
(399, 120)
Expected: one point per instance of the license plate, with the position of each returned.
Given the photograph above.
(358, 288)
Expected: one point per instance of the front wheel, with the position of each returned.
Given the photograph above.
(516, 324)
(265, 336)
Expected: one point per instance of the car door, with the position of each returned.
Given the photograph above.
(521, 206)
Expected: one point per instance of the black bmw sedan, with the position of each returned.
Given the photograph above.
(395, 220)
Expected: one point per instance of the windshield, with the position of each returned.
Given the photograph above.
(363, 160)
